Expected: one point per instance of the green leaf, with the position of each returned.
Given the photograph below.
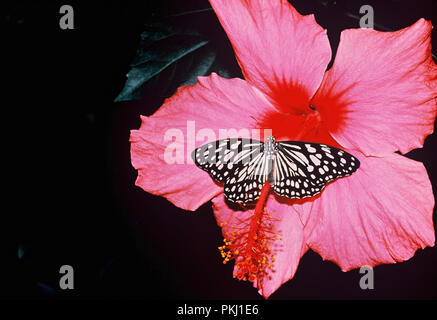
(167, 48)
(20, 252)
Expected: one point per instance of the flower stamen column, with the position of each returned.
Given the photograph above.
(250, 244)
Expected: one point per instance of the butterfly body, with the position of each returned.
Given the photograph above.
(270, 150)
(294, 169)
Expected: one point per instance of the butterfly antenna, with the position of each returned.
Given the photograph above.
(256, 120)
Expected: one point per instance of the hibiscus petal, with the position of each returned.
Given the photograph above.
(380, 95)
(288, 248)
(281, 52)
(196, 114)
(380, 214)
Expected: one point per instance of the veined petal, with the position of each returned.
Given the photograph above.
(380, 95)
(380, 214)
(281, 52)
(213, 108)
(288, 247)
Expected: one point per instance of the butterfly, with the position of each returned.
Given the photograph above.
(294, 169)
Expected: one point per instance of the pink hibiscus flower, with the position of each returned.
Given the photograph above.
(379, 97)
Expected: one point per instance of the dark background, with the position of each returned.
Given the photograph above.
(71, 197)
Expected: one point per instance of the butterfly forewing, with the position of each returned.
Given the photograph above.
(220, 157)
(302, 169)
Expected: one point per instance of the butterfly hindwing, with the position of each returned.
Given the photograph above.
(246, 180)
(302, 169)
(290, 179)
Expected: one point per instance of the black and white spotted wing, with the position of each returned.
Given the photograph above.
(302, 169)
(297, 169)
(238, 163)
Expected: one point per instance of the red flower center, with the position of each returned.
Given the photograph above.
(304, 126)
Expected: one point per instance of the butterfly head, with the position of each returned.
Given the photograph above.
(270, 139)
